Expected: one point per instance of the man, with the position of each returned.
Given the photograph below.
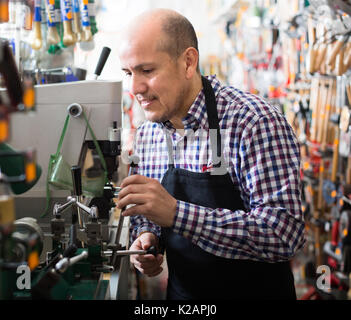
(226, 234)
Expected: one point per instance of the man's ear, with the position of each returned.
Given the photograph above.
(191, 58)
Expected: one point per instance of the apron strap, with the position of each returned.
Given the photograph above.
(212, 114)
(169, 149)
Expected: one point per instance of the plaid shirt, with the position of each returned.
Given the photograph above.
(263, 158)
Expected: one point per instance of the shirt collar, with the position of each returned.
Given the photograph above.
(197, 115)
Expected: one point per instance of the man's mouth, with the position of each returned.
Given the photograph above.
(145, 103)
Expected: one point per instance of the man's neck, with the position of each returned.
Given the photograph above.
(193, 93)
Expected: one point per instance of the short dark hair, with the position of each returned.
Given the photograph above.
(180, 35)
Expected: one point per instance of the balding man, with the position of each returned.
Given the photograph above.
(227, 233)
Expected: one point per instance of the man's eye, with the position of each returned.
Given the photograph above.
(128, 74)
(147, 70)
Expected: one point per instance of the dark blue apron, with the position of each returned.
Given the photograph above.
(197, 274)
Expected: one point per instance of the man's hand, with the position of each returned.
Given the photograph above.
(151, 200)
(147, 264)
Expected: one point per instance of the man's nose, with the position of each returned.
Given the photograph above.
(137, 85)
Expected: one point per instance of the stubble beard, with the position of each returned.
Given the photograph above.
(173, 110)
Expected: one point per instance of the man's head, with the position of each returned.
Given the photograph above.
(159, 54)
(179, 34)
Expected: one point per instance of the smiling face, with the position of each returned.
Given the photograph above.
(153, 78)
(161, 83)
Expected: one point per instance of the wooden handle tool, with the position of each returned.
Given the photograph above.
(37, 40)
(77, 20)
(52, 34)
(338, 44)
(87, 34)
(320, 56)
(69, 38)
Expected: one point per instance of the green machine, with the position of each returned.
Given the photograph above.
(61, 242)
(74, 268)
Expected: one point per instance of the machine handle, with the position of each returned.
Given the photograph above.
(64, 263)
(77, 180)
(102, 60)
(152, 250)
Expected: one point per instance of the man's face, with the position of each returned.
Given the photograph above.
(155, 79)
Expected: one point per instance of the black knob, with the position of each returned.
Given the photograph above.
(102, 60)
(77, 180)
(152, 250)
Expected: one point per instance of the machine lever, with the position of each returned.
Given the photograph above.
(92, 211)
(151, 250)
(134, 159)
(64, 263)
(102, 60)
(77, 180)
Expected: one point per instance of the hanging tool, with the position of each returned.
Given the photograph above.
(347, 55)
(329, 186)
(37, 41)
(52, 34)
(77, 20)
(314, 106)
(329, 86)
(338, 44)
(91, 7)
(335, 160)
(339, 62)
(87, 34)
(320, 55)
(69, 38)
(323, 91)
(312, 46)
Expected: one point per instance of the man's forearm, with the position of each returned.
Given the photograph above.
(263, 234)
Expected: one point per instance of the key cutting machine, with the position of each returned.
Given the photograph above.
(68, 217)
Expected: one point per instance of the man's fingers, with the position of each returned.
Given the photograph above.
(132, 188)
(147, 258)
(134, 179)
(148, 264)
(132, 198)
(140, 209)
